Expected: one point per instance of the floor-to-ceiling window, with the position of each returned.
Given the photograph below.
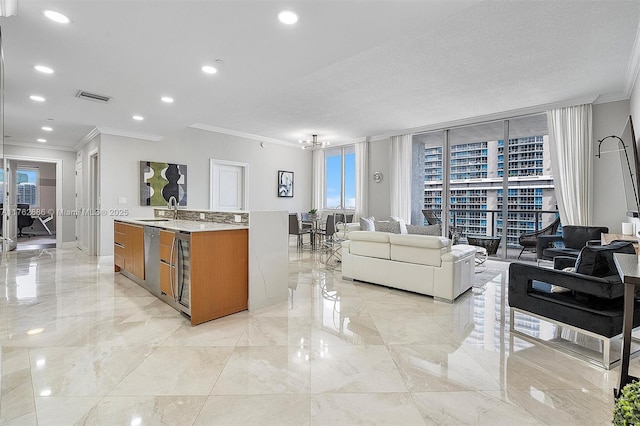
(474, 166)
(340, 178)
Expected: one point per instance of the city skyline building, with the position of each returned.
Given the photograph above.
(476, 186)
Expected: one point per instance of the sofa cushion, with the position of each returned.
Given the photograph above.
(427, 241)
(370, 244)
(435, 230)
(386, 226)
(420, 249)
(597, 261)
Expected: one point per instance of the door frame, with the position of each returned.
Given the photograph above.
(94, 203)
(213, 181)
(58, 163)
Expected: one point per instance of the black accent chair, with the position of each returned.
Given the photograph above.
(590, 299)
(573, 237)
(295, 228)
(529, 240)
(24, 220)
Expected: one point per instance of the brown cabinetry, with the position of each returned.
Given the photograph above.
(219, 274)
(128, 248)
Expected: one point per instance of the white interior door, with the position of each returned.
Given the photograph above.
(228, 186)
(10, 215)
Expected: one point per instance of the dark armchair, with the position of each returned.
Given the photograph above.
(529, 240)
(573, 237)
(24, 220)
(590, 299)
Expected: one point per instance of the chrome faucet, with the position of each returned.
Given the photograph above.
(173, 205)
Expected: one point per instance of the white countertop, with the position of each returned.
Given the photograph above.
(183, 225)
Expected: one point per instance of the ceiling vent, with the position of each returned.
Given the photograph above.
(92, 96)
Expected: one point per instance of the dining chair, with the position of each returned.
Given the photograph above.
(295, 228)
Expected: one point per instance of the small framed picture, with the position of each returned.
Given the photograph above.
(285, 184)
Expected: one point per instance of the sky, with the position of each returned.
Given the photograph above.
(333, 181)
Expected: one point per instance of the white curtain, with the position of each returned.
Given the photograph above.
(572, 162)
(362, 179)
(317, 190)
(400, 177)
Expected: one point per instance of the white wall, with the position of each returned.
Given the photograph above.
(68, 172)
(379, 193)
(120, 172)
(609, 202)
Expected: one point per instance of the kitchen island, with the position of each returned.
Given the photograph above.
(199, 268)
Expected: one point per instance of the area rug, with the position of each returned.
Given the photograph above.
(484, 274)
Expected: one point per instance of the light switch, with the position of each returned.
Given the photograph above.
(122, 200)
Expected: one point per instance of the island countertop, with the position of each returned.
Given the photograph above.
(182, 225)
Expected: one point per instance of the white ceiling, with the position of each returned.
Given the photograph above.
(347, 70)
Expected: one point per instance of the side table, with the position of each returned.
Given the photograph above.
(629, 270)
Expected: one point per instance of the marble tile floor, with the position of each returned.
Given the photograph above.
(80, 345)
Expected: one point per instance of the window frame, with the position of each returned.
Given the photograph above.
(344, 150)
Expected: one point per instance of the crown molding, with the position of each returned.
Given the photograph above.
(14, 142)
(128, 134)
(634, 66)
(208, 128)
(114, 132)
(611, 97)
(87, 138)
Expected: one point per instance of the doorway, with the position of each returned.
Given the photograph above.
(34, 187)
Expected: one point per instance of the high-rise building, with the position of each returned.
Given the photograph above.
(476, 185)
(27, 193)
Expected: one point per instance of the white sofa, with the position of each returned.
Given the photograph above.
(420, 263)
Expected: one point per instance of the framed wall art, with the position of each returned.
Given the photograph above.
(160, 181)
(285, 184)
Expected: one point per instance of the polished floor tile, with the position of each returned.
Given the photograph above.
(80, 345)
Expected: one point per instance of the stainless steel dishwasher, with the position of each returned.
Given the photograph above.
(152, 259)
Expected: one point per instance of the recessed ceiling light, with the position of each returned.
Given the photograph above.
(138, 117)
(47, 128)
(288, 17)
(56, 17)
(36, 98)
(167, 99)
(209, 69)
(43, 69)
(42, 140)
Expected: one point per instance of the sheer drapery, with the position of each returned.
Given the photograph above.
(400, 177)
(572, 162)
(362, 181)
(317, 190)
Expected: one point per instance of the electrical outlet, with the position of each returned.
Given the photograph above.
(122, 200)
(238, 218)
(161, 213)
(202, 216)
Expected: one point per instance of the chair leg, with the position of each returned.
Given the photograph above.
(521, 251)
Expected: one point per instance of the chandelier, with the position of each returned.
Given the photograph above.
(313, 142)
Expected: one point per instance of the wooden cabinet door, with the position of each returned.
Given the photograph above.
(136, 242)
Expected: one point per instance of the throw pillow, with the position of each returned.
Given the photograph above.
(399, 223)
(366, 224)
(597, 261)
(385, 226)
